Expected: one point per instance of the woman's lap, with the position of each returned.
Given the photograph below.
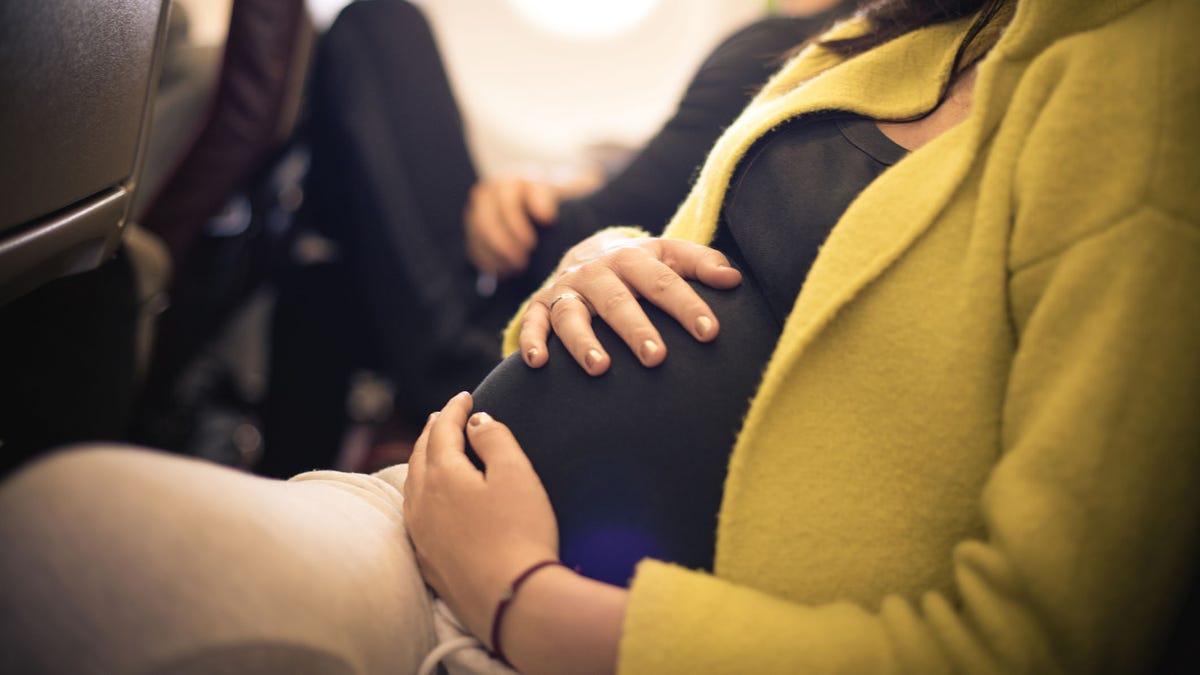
(117, 560)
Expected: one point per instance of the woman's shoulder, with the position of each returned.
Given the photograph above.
(1140, 66)
(1107, 121)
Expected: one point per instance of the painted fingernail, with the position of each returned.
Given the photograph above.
(531, 354)
(479, 418)
(592, 358)
(649, 349)
(704, 326)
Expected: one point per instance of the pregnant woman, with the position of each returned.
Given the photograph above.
(932, 409)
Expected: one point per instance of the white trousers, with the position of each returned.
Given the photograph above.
(115, 560)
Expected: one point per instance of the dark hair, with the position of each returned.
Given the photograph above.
(889, 19)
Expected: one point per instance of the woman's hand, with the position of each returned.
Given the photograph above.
(474, 532)
(605, 274)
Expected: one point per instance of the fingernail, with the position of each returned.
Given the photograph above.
(649, 349)
(460, 395)
(531, 355)
(432, 417)
(592, 358)
(704, 326)
(479, 418)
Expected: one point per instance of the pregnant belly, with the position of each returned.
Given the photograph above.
(634, 461)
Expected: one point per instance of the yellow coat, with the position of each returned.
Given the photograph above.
(976, 447)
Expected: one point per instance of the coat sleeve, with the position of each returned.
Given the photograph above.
(1091, 511)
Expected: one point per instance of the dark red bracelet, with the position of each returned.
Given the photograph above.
(506, 599)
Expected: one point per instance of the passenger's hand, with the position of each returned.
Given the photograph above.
(605, 275)
(474, 533)
(501, 220)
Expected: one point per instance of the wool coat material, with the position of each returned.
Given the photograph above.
(976, 446)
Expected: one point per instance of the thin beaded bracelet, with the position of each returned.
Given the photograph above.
(506, 599)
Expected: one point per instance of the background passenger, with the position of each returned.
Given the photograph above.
(393, 184)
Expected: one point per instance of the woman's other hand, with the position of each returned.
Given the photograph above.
(604, 275)
(501, 219)
(474, 532)
(502, 216)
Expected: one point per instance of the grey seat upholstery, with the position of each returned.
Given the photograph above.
(76, 79)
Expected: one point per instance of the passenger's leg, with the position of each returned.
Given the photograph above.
(391, 175)
(122, 561)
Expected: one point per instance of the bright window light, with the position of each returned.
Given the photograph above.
(588, 19)
(323, 11)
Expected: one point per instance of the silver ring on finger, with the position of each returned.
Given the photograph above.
(566, 296)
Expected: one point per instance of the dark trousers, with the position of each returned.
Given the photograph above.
(389, 180)
(633, 461)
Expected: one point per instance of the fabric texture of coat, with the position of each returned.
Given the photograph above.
(977, 443)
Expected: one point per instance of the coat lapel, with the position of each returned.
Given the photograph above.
(874, 232)
(896, 81)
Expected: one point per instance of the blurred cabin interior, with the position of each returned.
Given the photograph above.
(547, 89)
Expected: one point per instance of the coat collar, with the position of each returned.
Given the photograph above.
(870, 85)
(1038, 23)
(894, 81)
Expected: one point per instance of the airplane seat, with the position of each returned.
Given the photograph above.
(208, 205)
(251, 114)
(77, 83)
(76, 86)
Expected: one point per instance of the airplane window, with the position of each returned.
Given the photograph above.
(324, 11)
(584, 18)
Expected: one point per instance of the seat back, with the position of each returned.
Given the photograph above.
(216, 206)
(250, 117)
(76, 79)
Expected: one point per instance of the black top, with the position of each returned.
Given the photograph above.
(634, 461)
(789, 190)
